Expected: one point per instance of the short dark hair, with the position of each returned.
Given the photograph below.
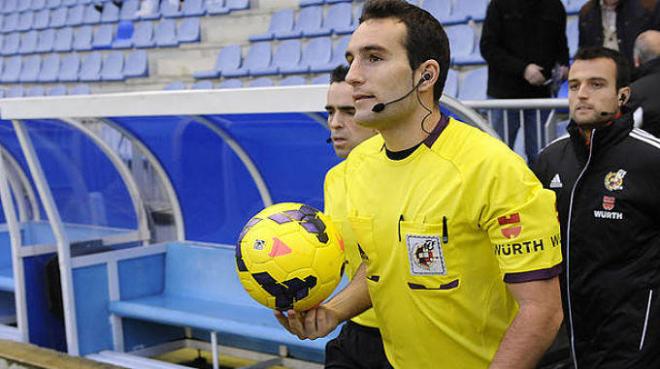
(425, 37)
(622, 66)
(338, 74)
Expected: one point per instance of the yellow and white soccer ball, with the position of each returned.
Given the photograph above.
(290, 256)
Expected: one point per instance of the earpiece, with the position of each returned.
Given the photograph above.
(427, 76)
(622, 98)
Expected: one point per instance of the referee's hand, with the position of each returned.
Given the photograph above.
(311, 324)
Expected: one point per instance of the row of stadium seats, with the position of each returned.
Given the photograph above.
(88, 14)
(165, 33)
(35, 91)
(113, 66)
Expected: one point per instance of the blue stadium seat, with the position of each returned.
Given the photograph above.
(258, 56)
(323, 79)
(41, 19)
(15, 91)
(461, 40)
(339, 16)
(112, 68)
(337, 1)
(63, 39)
(304, 3)
(75, 15)
(137, 64)
(572, 35)
(202, 85)
(293, 81)
(57, 90)
(231, 83)
(23, 6)
(11, 44)
(215, 7)
(123, 37)
(473, 9)
(82, 38)
(153, 12)
(102, 38)
(474, 83)
(80, 89)
(37, 4)
(286, 56)
(53, 4)
(193, 8)
(233, 5)
(58, 17)
(143, 36)
(317, 52)
(165, 34)
(170, 9)
(129, 10)
(261, 82)
(10, 23)
(28, 42)
(174, 86)
(188, 30)
(69, 68)
(357, 12)
(308, 21)
(9, 6)
(573, 6)
(12, 69)
(46, 41)
(90, 67)
(25, 21)
(3, 93)
(30, 69)
(70, 3)
(50, 68)
(92, 16)
(229, 58)
(281, 21)
(474, 58)
(451, 85)
(110, 13)
(35, 91)
(441, 10)
(338, 57)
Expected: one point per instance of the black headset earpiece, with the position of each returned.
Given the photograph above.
(427, 76)
(622, 98)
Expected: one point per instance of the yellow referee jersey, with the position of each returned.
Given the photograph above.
(335, 207)
(443, 230)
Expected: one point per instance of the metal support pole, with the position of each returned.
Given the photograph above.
(62, 241)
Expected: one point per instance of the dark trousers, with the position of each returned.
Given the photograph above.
(356, 347)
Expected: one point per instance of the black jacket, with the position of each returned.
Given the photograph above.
(645, 95)
(609, 210)
(517, 33)
(632, 18)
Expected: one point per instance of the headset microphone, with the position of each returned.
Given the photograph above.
(329, 140)
(381, 106)
(607, 113)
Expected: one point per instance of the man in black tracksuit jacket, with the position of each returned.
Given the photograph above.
(606, 176)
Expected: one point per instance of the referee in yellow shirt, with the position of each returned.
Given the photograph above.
(461, 242)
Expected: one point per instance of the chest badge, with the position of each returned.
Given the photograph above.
(614, 180)
(608, 202)
(425, 255)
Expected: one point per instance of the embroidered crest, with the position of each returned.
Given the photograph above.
(511, 227)
(425, 255)
(614, 180)
(608, 202)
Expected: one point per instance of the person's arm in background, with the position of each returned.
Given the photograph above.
(491, 44)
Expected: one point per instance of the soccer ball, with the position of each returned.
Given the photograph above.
(290, 256)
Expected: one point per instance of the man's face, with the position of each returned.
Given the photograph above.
(345, 133)
(592, 93)
(379, 70)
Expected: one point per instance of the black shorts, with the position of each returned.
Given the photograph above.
(356, 347)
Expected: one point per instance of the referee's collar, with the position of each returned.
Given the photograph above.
(433, 136)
